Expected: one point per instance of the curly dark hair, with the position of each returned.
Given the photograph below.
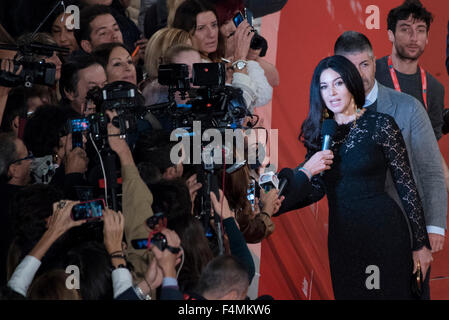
(409, 8)
(87, 15)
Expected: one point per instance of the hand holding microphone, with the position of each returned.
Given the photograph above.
(322, 160)
(319, 162)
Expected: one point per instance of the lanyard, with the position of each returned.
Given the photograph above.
(396, 82)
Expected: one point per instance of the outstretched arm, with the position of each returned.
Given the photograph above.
(58, 223)
(237, 242)
(307, 186)
(136, 202)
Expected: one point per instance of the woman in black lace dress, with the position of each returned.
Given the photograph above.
(367, 229)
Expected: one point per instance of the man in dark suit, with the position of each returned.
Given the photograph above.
(422, 148)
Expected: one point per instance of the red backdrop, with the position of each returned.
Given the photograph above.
(294, 263)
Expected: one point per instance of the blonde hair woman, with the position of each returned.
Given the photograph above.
(158, 45)
(156, 48)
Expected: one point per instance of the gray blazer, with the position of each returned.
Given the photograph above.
(423, 152)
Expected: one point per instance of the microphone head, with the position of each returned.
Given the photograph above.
(328, 128)
(268, 181)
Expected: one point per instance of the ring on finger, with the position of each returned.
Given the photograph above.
(61, 204)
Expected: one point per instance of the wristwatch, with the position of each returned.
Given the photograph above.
(239, 65)
(140, 293)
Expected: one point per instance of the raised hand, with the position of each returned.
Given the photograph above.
(319, 162)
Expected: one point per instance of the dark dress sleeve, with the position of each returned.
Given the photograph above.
(389, 136)
(300, 192)
(238, 246)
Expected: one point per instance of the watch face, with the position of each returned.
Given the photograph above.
(241, 65)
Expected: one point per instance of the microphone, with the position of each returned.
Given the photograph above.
(327, 132)
(285, 177)
(268, 181)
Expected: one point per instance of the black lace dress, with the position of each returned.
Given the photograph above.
(367, 229)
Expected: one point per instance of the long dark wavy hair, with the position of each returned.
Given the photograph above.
(311, 127)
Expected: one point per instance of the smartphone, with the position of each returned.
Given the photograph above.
(89, 210)
(77, 127)
(251, 194)
(249, 16)
(139, 244)
(238, 19)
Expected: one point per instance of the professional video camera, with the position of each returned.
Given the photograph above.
(33, 72)
(210, 100)
(125, 99)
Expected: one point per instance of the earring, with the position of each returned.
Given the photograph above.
(353, 102)
(325, 114)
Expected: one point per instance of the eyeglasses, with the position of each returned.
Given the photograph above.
(30, 156)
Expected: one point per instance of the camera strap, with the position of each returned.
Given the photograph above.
(397, 87)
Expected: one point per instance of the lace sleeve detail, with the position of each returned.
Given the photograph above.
(389, 136)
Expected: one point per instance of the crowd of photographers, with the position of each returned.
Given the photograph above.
(87, 182)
